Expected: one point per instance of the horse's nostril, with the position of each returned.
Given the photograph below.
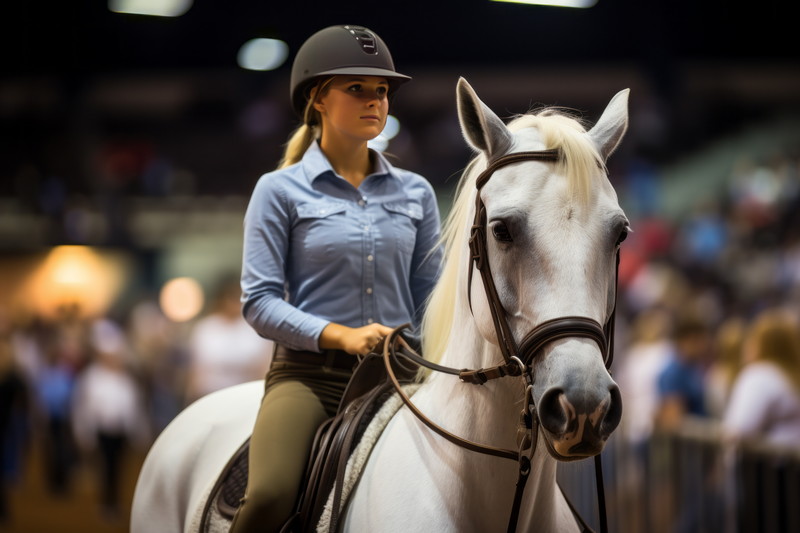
(552, 415)
(614, 413)
(559, 416)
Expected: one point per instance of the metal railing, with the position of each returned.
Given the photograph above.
(690, 481)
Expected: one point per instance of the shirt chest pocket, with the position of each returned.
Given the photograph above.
(320, 232)
(405, 216)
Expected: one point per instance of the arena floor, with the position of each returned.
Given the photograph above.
(34, 510)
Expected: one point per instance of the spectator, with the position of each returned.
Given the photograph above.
(725, 366)
(704, 236)
(681, 382)
(681, 398)
(649, 351)
(65, 354)
(223, 349)
(645, 359)
(13, 408)
(159, 347)
(765, 400)
(108, 413)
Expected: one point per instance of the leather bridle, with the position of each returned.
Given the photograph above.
(557, 328)
(517, 358)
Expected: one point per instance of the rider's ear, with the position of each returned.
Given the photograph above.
(482, 129)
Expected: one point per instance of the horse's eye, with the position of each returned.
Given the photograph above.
(622, 236)
(500, 232)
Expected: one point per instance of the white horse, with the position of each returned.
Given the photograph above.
(553, 229)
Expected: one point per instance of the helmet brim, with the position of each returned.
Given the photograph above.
(300, 94)
(366, 71)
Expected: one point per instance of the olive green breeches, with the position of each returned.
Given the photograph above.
(298, 398)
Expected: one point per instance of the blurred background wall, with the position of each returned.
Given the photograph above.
(143, 134)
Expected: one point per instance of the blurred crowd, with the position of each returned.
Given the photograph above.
(712, 336)
(87, 392)
(697, 292)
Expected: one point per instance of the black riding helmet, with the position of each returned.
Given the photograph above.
(340, 50)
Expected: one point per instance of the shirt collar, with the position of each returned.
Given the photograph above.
(315, 164)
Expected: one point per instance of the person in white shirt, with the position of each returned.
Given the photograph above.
(765, 399)
(224, 350)
(108, 413)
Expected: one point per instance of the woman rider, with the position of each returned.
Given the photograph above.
(339, 248)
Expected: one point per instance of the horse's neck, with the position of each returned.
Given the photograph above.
(486, 483)
(476, 412)
(489, 414)
(544, 508)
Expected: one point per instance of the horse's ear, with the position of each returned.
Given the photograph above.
(613, 123)
(482, 129)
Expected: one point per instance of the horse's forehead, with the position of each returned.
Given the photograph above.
(528, 139)
(523, 184)
(526, 178)
(543, 196)
(526, 175)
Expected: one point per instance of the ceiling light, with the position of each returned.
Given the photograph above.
(581, 4)
(155, 8)
(262, 54)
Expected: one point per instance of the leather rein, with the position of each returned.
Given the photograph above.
(517, 358)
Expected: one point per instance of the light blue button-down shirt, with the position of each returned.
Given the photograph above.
(318, 250)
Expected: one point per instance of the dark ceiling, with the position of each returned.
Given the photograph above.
(79, 38)
(76, 78)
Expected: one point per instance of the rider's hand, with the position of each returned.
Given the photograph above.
(353, 340)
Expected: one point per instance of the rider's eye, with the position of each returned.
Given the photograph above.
(500, 232)
(382, 91)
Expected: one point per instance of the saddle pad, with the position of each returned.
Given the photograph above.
(233, 482)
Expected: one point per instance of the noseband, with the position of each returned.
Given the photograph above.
(551, 330)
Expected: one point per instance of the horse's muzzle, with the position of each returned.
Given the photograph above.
(578, 425)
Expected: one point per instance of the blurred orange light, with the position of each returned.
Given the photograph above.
(181, 299)
(74, 276)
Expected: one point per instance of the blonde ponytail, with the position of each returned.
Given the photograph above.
(298, 143)
(309, 131)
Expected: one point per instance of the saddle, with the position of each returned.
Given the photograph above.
(367, 390)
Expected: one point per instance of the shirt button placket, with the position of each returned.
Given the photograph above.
(369, 266)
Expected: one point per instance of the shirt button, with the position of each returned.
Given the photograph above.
(366, 227)
(369, 290)
(370, 258)
(370, 321)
